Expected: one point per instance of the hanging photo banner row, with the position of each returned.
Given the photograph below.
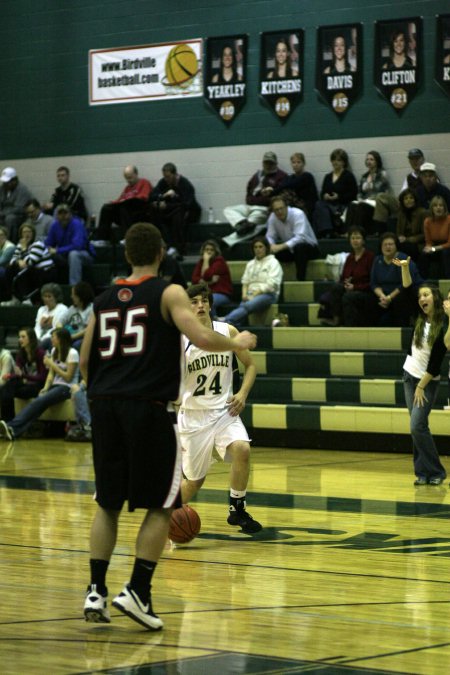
(443, 52)
(339, 65)
(281, 71)
(398, 60)
(225, 78)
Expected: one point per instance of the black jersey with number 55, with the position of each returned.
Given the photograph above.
(134, 353)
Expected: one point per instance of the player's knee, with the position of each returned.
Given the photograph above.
(240, 451)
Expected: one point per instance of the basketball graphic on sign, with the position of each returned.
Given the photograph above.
(181, 66)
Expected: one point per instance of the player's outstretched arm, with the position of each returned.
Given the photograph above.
(86, 346)
(175, 308)
(237, 402)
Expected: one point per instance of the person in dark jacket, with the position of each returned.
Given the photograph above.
(339, 188)
(172, 207)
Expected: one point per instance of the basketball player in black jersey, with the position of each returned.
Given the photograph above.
(130, 358)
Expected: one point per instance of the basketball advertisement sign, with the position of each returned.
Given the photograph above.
(145, 73)
(225, 86)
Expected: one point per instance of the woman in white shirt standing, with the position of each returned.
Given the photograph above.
(261, 283)
(421, 376)
(62, 367)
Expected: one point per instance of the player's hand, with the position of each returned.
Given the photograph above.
(245, 340)
(419, 397)
(236, 404)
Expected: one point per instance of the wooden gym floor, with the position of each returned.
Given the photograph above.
(351, 573)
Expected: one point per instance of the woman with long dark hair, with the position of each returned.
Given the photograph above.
(398, 58)
(410, 222)
(421, 376)
(372, 182)
(283, 62)
(62, 367)
(227, 72)
(340, 64)
(29, 373)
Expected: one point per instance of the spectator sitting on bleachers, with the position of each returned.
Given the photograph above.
(62, 367)
(28, 375)
(7, 249)
(30, 267)
(437, 239)
(261, 187)
(68, 243)
(299, 188)
(129, 208)
(336, 304)
(388, 304)
(213, 270)
(50, 314)
(410, 221)
(386, 203)
(291, 236)
(67, 193)
(38, 219)
(339, 188)
(172, 207)
(373, 182)
(261, 283)
(13, 197)
(81, 431)
(429, 186)
(77, 316)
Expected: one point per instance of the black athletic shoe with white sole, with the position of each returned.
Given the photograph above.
(243, 519)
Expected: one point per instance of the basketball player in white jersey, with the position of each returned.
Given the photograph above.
(208, 418)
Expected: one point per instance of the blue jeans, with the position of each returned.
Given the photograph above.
(31, 412)
(82, 412)
(260, 302)
(219, 299)
(76, 260)
(426, 458)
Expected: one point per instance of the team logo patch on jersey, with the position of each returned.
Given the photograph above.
(125, 294)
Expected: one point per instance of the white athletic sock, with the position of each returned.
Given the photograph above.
(237, 494)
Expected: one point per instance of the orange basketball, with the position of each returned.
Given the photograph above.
(181, 65)
(184, 525)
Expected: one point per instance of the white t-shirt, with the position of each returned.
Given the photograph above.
(72, 357)
(416, 363)
(57, 314)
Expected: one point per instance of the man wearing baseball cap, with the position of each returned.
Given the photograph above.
(387, 204)
(245, 218)
(13, 197)
(429, 186)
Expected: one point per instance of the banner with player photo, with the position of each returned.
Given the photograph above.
(443, 52)
(225, 75)
(339, 65)
(398, 62)
(281, 71)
